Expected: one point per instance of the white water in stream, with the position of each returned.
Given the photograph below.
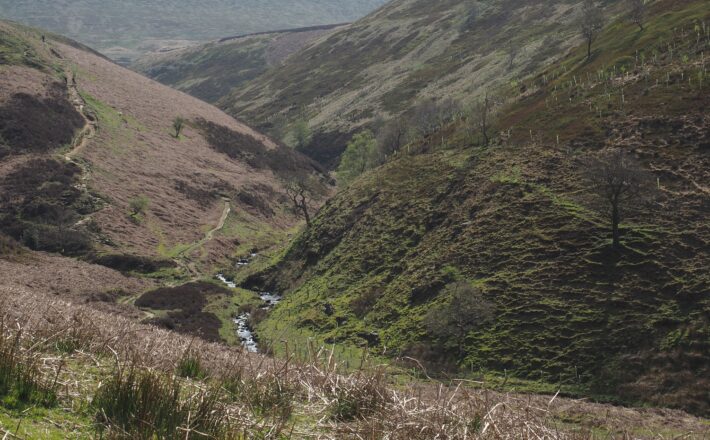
(269, 300)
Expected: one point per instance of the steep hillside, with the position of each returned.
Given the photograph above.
(406, 51)
(125, 30)
(91, 164)
(212, 70)
(517, 221)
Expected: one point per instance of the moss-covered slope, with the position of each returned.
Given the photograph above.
(516, 219)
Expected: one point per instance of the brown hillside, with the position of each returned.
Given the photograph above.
(128, 152)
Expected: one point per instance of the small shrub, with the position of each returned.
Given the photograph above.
(132, 263)
(9, 248)
(143, 404)
(363, 303)
(357, 397)
(138, 205)
(21, 381)
(265, 396)
(178, 125)
(190, 366)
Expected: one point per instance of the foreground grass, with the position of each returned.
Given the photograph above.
(110, 370)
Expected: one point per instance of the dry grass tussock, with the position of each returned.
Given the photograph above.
(187, 388)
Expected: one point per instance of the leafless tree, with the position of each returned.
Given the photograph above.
(449, 110)
(481, 113)
(430, 115)
(637, 11)
(425, 118)
(299, 192)
(392, 137)
(465, 311)
(619, 183)
(591, 23)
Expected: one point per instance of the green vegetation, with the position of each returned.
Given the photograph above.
(465, 311)
(358, 157)
(138, 206)
(21, 380)
(520, 221)
(136, 403)
(301, 134)
(407, 52)
(178, 124)
(190, 366)
(16, 51)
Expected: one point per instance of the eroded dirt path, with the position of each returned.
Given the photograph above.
(184, 259)
(89, 131)
(85, 136)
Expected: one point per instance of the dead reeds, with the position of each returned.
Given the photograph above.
(152, 383)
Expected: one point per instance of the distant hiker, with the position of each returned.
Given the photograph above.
(44, 40)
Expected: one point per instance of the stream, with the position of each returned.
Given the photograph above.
(269, 301)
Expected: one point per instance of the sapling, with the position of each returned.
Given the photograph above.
(178, 124)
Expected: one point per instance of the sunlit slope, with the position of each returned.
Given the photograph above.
(517, 220)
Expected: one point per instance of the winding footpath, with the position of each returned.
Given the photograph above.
(83, 138)
(183, 259)
(87, 132)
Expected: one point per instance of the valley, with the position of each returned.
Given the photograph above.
(454, 219)
(124, 31)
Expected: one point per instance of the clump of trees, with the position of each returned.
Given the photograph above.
(393, 135)
(367, 150)
(619, 184)
(301, 134)
(591, 23)
(430, 115)
(359, 156)
(178, 125)
(465, 311)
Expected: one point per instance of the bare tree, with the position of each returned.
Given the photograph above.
(430, 115)
(637, 12)
(619, 183)
(481, 117)
(591, 23)
(448, 111)
(298, 191)
(465, 311)
(425, 118)
(392, 137)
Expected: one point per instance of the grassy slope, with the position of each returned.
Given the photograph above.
(515, 219)
(185, 197)
(212, 70)
(76, 350)
(406, 51)
(130, 136)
